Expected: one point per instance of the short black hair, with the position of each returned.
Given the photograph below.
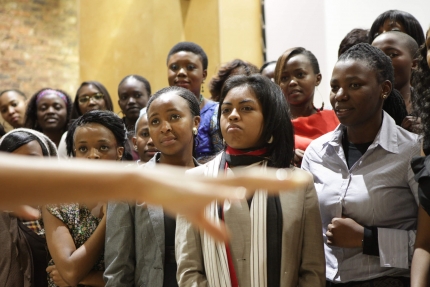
(288, 54)
(265, 65)
(216, 83)
(140, 79)
(16, 139)
(13, 90)
(277, 122)
(76, 113)
(354, 37)
(191, 99)
(107, 119)
(31, 112)
(192, 48)
(382, 65)
(412, 26)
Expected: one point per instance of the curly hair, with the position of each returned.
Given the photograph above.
(76, 113)
(421, 84)
(216, 83)
(31, 112)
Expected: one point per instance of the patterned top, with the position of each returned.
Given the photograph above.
(81, 224)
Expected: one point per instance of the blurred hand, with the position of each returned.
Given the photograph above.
(56, 276)
(26, 212)
(345, 233)
(412, 124)
(298, 156)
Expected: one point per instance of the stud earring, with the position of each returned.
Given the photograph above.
(195, 131)
(135, 147)
(384, 96)
(270, 140)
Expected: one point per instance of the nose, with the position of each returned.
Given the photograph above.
(340, 95)
(150, 142)
(182, 71)
(165, 127)
(131, 100)
(10, 110)
(293, 82)
(93, 154)
(51, 110)
(234, 115)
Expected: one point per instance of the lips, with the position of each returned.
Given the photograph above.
(295, 91)
(168, 141)
(183, 84)
(133, 109)
(51, 120)
(233, 127)
(341, 112)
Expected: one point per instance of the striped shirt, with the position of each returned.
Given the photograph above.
(378, 190)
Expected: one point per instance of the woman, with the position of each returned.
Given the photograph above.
(12, 107)
(142, 142)
(48, 111)
(364, 181)
(420, 274)
(396, 20)
(255, 125)
(133, 94)
(298, 74)
(144, 234)
(187, 65)
(91, 95)
(268, 70)
(25, 257)
(235, 67)
(76, 232)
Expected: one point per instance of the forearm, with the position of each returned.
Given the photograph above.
(94, 278)
(420, 272)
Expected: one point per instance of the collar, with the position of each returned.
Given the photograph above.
(386, 137)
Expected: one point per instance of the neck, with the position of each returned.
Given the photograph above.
(129, 124)
(54, 136)
(405, 91)
(304, 110)
(183, 160)
(366, 132)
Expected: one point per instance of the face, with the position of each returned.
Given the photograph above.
(391, 25)
(95, 141)
(298, 80)
(401, 58)
(90, 98)
(143, 142)
(242, 119)
(185, 69)
(132, 98)
(51, 113)
(12, 108)
(171, 125)
(269, 71)
(356, 95)
(32, 148)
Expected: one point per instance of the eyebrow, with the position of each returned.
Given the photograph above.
(101, 140)
(241, 102)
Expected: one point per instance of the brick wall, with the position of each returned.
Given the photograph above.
(39, 45)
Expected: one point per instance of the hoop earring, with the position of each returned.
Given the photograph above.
(322, 99)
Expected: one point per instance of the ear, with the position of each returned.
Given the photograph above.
(120, 153)
(319, 78)
(134, 140)
(414, 64)
(387, 86)
(205, 74)
(118, 104)
(196, 122)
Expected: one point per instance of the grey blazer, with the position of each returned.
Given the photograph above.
(134, 250)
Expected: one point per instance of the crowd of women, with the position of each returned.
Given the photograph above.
(361, 219)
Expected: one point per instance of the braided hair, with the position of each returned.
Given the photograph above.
(382, 65)
(421, 84)
(225, 71)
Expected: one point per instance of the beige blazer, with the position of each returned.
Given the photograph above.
(303, 262)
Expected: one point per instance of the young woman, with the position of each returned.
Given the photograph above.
(268, 70)
(187, 65)
(396, 20)
(12, 107)
(420, 274)
(76, 232)
(91, 95)
(140, 237)
(365, 185)
(275, 240)
(25, 257)
(142, 142)
(298, 74)
(48, 111)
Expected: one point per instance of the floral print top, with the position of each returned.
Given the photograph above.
(81, 224)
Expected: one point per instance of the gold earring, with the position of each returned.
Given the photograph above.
(384, 96)
(203, 90)
(195, 131)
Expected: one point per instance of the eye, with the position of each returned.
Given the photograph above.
(334, 89)
(138, 95)
(225, 110)
(42, 108)
(175, 117)
(173, 67)
(123, 97)
(14, 104)
(355, 86)
(247, 108)
(155, 122)
(392, 55)
(284, 78)
(104, 148)
(82, 149)
(190, 67)
(300, 75)
(58, 107)
(144, 134)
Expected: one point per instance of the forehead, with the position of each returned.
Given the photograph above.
(132, 83)
(184, 56)
(391, 40)
(9, 96)
(88, 89)
(143, 122)
(390, 24)
(238, 94)
(349, 68)
(93, 131)
(50, 99)
(30, 148)
(168, 101)
(298, 61)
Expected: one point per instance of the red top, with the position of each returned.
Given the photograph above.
(309, 128)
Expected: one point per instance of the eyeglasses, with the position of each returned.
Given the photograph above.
(86, 99)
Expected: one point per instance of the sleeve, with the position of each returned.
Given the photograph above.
(215, 137)
(189, 255)
(63, 211)
(312, 268)
(119, 258)
(396, 246)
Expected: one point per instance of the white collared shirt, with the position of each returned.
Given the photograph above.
(378, 190)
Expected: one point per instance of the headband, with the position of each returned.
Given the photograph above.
(51, 91)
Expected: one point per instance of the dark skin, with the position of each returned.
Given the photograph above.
(52, 116)
(132, 98)
(420, 270)
(357, 99)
